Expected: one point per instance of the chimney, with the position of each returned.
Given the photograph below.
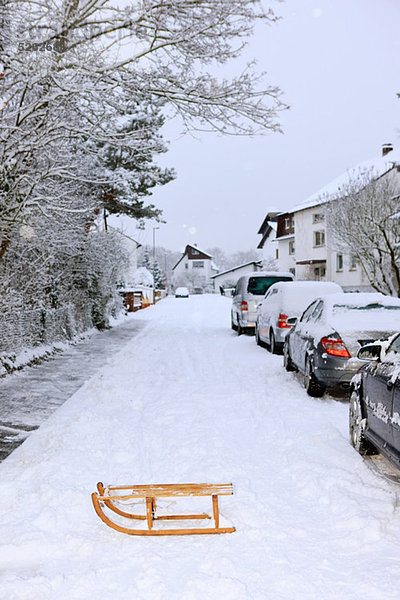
(386, 148)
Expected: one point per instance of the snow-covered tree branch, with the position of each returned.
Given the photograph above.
(362, 223)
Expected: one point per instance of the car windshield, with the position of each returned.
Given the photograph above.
(259, 285)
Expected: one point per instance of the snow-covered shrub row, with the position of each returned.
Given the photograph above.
(27, 336)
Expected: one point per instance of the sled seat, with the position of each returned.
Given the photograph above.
(111, 496)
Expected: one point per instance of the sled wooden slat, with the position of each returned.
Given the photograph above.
(171, 489)
(108, 496)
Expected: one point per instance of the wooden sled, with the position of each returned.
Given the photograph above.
(110, 496)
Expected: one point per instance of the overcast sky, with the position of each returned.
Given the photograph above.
(337, 62)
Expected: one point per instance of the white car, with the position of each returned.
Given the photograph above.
(283, 300)
(181, 292)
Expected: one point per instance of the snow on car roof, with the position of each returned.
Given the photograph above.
(299, 294)
(269, 274)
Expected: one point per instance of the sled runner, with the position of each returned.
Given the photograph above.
(115, 497)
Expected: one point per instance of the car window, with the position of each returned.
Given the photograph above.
(259, 285)
(317, 312)
(308, 312)
(394, 346)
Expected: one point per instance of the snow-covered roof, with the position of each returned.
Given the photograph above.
(377, 166)
(142, 276)
(199, 250)
(252, 262)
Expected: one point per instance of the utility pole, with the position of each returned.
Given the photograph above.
(154, 262)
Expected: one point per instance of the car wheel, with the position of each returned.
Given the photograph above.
(257, 336)
(233, 326)
(312, 386)
(357, 425)
(239, 329)
(287, 361)
(273, 346)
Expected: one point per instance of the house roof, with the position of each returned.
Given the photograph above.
(378, 166)
(205, 254)
(271, 228)
(252, 262)
(270, 217)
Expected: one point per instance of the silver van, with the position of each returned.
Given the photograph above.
(249, 290)
(282, 301)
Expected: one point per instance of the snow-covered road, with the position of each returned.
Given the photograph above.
(189, 401)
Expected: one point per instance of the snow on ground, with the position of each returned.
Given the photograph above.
(188, 401)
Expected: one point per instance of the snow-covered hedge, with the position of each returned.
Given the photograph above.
(27, 336)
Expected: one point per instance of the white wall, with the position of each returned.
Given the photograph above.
(286, 261)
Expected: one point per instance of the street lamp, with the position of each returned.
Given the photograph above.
(154, 262)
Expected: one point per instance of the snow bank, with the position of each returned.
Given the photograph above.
(188, 401)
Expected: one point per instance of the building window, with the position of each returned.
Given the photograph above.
(195, 252)
(276, 253)
(353, 263)
(186, 265)
(318, 218)
(291, 247)
(319, 238)
(292, 270)
(339, 262)
(198, 264)
(289, 222)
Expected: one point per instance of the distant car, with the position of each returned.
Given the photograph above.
(181, 292)
(323, 344)
(374, 416)
(283, 300)
(249, 290)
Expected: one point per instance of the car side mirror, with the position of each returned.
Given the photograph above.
(291, 321)
(370, 352)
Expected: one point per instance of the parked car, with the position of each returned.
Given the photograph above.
(323, 344)
(284, 299)
(248, 291)
(374, 416)
(181, 292)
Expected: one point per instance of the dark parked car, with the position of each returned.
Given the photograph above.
(374, 417)
(323, 344)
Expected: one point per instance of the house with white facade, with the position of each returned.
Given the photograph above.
(305, 246)
(285, 243)
(194, 269)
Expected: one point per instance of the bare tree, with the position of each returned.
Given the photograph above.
(362, 223)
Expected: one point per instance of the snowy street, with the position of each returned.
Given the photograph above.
(186, 400)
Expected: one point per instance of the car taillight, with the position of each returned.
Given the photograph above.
(335, 347)
(282, 321)
(244, 306)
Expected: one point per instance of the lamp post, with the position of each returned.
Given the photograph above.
(154, 262)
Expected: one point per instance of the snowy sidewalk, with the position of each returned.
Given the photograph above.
(29, 396)
(188, 401)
